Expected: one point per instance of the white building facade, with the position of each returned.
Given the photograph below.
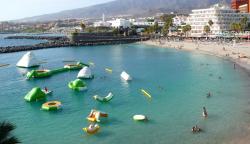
(118, 23)
(221, 15)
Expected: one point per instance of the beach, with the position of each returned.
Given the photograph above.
(238, 53)
(178, 84)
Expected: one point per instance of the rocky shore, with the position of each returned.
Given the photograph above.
(52, 38)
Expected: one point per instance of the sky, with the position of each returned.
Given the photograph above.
(16, 9)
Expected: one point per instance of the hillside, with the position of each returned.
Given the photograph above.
(127, 7)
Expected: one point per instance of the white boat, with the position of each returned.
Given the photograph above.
(139, 117)
(125, 76)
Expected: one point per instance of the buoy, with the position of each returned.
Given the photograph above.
(145, 93)
(139, 117)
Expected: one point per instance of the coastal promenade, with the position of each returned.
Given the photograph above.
(238, 53)
(55, 42)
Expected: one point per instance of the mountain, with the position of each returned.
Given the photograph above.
(127, 7)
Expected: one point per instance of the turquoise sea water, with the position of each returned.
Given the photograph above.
(178, 82)
(18, 42)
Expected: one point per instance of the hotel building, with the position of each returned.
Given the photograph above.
(221, 15)
(241, 5)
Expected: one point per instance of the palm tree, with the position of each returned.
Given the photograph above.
(243, 23)
(83, 26)
(206, 29)
(186, 29)
(210, 22)
(236, 27)
(5, 134)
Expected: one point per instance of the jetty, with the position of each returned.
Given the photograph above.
(63, 41)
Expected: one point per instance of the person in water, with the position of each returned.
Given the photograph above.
(46, 89)
(209, 95)
(204, 112)
(91, 126)
(196, 129)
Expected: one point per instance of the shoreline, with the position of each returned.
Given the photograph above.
(239, 54)
(223, 51)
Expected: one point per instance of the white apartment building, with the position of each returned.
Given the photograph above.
(221, 15)
(118, 23)
(146, 22)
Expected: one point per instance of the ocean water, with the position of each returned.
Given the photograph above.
(17, 42)
(178, 82)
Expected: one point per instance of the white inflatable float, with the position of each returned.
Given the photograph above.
(28, 60)
(85, 73)
(139, 117)
(125, 76)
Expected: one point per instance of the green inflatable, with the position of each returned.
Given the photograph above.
(38, 74)
(35, 94)
(78, 85)
(47, 73)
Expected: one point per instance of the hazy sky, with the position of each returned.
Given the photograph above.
(16, 9)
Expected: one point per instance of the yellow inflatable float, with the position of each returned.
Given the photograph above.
(52, 105)
(95, 115)
(91, 129)
(109, 70)
(145, 93)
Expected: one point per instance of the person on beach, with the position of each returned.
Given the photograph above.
(204, 114)
(234, 66)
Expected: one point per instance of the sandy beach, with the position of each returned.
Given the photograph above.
(238, 53)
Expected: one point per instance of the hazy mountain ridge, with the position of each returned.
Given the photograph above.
(127, 7)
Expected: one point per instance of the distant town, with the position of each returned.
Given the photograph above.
(215, 21)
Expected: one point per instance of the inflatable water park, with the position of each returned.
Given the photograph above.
(95, 117)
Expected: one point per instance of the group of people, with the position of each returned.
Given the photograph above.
(196, 129)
